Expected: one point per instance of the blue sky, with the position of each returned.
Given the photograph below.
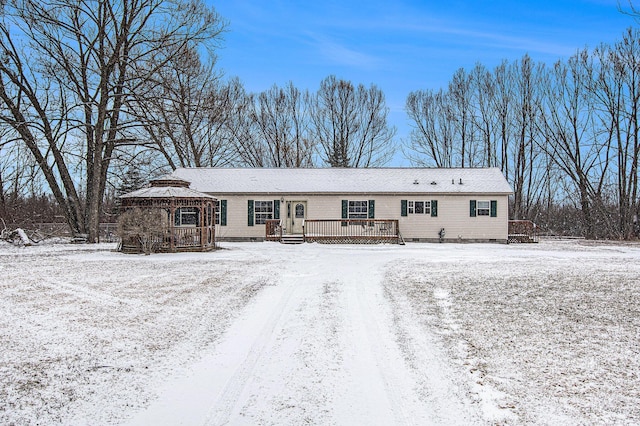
(405, 45)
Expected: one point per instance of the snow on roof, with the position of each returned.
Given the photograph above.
(345, 180)
(166, 192)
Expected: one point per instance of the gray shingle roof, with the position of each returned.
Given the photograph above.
(344, 181)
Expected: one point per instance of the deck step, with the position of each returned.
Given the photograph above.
(292, 239)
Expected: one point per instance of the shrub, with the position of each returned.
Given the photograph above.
(145, 227)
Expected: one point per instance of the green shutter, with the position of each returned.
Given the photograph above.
(434, 208)
(250, 213)
(276, 209)
(372, 209)
(494, 208)
(472, 208)
(223, 212)
(345, 211)
(403, 207)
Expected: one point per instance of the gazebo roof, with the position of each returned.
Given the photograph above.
(169, 180)
(167, 192)
(167, 187)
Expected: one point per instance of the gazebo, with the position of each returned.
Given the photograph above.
(182, 219)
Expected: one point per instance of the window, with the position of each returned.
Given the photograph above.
(419, 207)
(365, 209)
(217, 204)
(358, 210)
(263, 211)
(187, 216)
(258, 212)
(412, 207)
(482, 208)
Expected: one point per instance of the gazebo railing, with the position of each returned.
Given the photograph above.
(187, 236)
(181, 238)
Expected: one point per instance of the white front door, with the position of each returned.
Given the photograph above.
(296, 214)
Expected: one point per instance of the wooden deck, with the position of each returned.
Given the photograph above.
(522, 231)
(342, 231)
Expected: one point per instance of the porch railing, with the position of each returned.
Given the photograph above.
(522, 231)
(341, 231)
(273, 230)
(349, 231)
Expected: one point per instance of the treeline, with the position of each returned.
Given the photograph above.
(194, 120)
(96, 98)
(565, 136)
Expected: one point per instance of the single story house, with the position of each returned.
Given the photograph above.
(410, 204)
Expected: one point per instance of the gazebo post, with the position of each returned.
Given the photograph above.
(172, 224)
(202, 222)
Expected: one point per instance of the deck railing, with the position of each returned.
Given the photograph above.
(522, 231)
(273, 229)
(349, 231)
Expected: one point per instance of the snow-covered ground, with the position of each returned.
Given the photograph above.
(263, 333)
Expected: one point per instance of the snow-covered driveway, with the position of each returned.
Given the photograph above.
(319, 347)
(262, 333)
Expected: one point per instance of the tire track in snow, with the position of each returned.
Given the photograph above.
(383, 363)
(88, 293)
(221, 410)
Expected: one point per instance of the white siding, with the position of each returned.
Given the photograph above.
(453, 215)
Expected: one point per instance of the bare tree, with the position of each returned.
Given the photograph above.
(432, 136)
(241, 128)
(281, 127)
(350, 124)
(67, 73)
(501, 104)
(627, 7)
(486, 115)
(527, 179)
(573, 141)
(183, 112)
(616, 89)
(461, 113)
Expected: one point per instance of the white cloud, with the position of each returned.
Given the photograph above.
(340, 54)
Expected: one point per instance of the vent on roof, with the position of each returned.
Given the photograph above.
(460, 181)
(433, 182)
(415, 182)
